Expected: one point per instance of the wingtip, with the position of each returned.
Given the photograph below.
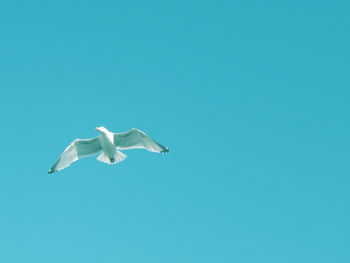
(165, 150)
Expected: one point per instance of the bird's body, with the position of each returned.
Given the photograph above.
(108, 145)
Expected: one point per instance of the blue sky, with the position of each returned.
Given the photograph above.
(251, 97)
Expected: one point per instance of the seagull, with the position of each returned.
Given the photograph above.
(107, 145)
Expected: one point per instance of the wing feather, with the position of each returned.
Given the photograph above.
(136, 139)
(78, 149)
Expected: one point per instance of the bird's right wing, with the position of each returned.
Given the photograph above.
(78, 149)
(136, 139)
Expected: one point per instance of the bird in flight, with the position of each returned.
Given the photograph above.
(107, 145)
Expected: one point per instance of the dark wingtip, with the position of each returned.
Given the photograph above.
(165, 150)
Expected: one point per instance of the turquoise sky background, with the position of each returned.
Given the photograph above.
(251, 97)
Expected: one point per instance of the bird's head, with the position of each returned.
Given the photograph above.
(101, 129)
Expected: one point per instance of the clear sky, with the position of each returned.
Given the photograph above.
(251, 97)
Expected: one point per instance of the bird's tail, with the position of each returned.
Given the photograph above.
(118, 157)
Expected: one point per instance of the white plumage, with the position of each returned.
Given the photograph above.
(107, 145)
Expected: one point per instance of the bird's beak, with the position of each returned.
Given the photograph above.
(97, 129)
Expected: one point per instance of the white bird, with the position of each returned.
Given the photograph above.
(107, 144)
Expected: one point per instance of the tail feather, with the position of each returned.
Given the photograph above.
(118, 157)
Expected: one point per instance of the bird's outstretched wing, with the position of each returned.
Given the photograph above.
(78, 149)
(136, 139)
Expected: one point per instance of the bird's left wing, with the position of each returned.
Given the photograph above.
(78, 149)
(137, 139)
